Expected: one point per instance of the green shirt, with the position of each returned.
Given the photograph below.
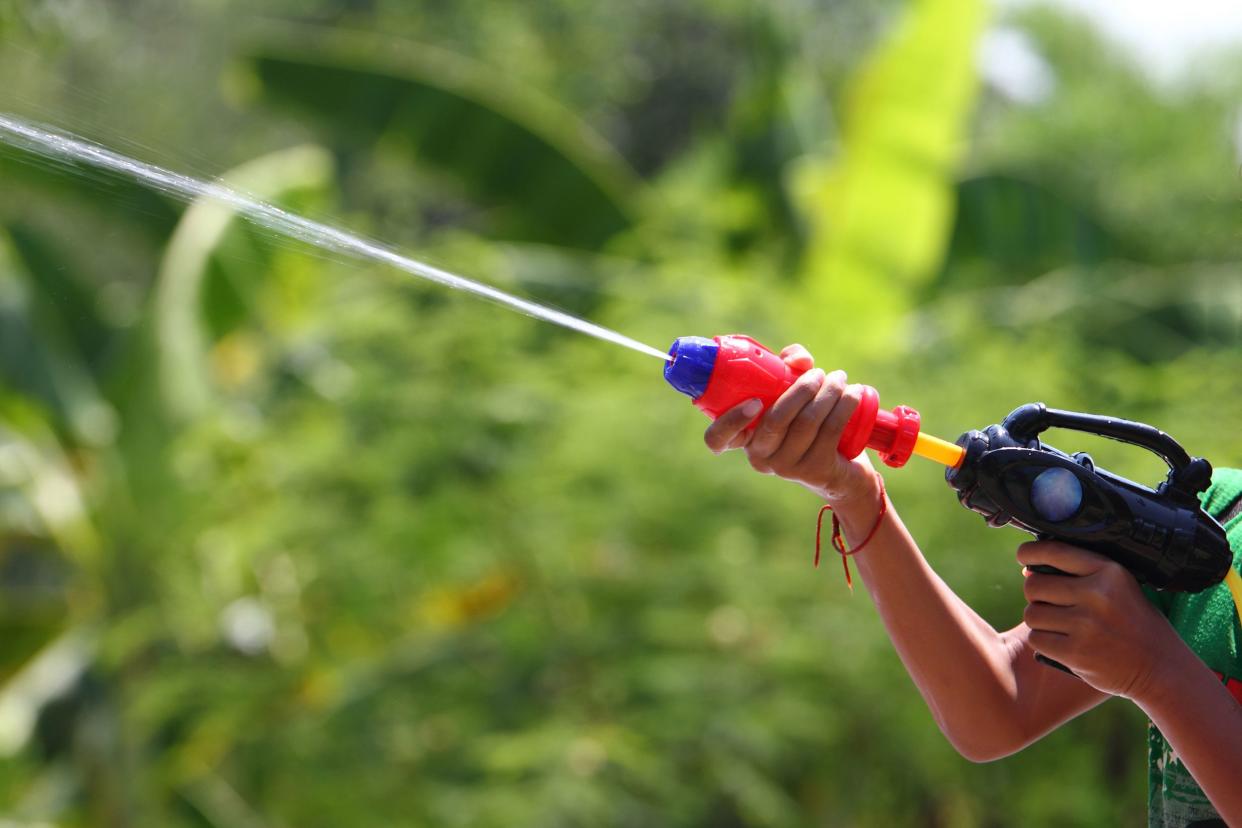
(1208, 622)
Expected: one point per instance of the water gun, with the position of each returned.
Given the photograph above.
(726, 371)
(1005, 472)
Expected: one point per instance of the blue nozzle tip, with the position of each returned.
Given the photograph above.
(690, 370)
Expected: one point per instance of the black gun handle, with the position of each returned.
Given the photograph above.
(1045, 569)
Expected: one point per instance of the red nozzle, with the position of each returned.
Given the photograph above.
(743, 370)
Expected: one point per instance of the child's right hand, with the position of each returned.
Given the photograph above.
(798, 436)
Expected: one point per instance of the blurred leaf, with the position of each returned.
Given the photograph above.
(35, 466)
(880, 215)
(1014, 230)
(1153, 314)
(58, 292)
(34, 599)
(541, 174)
(181, 306)
(47, 542)
(472, 603)
(46, 677)
(38, 355)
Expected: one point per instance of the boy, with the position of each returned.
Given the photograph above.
(985, 689)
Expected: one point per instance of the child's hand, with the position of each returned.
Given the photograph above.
(797, 438)
(1099, 624)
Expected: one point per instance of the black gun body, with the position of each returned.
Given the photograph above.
(1165, 541)
(1160, 535)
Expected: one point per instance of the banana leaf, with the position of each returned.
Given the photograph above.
(880, 213)
(541, 175)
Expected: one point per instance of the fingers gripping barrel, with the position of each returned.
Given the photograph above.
(726, 371)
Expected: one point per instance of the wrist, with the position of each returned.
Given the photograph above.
(1172, 663)
(856, 542)
(858, 505)
(860, 491)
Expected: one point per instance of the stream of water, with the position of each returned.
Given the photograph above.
(63, 147)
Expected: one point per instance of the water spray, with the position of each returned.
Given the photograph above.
(63, 147)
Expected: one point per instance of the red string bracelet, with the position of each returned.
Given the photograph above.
(838, 542)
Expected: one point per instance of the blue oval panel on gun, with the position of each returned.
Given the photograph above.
(1056, 494)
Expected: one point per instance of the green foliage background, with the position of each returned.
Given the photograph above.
(292, 540)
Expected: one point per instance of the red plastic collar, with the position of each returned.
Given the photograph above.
(905, 433)
(858, 430)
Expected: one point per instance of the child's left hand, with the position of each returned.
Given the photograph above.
(1099, 624)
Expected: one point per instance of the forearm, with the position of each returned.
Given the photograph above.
(1202, 723)
(985, 690)
(961, 665)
